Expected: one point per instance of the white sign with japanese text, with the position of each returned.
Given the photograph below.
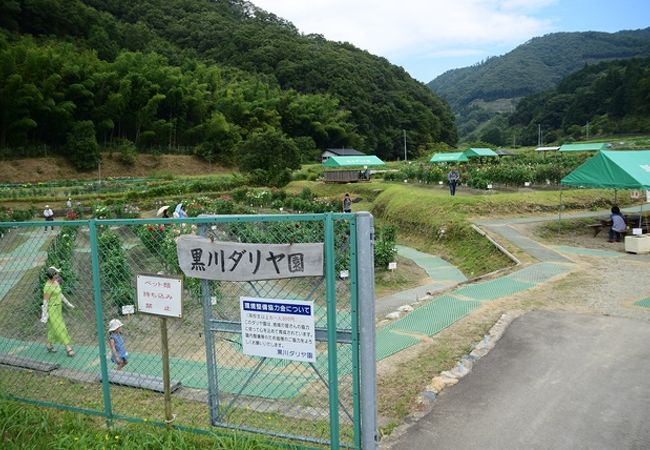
(160, 295)
(199, 257)
(275, 328)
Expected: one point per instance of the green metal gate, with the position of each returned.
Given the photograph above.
(330, 401)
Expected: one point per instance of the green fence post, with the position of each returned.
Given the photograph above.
(354, 308)
(332, 366)
(99, 319)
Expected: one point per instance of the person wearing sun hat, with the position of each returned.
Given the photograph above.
(119, 355)
(53, 298)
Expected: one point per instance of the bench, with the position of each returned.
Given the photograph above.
(596, 227)
(630, 221)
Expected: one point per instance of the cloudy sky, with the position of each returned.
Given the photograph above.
(429, 37)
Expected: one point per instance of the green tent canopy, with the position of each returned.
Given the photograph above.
(349, 161)
(449, 157)
(478, 152)
(614, 170)
(591, 147)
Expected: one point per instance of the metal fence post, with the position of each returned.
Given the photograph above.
(330, 286)
(366, 297)
(99, 319)
(213, 387)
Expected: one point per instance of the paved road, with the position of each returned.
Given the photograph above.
(554, 381)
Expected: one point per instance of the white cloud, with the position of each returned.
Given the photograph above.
(454, 52)
(390, 28)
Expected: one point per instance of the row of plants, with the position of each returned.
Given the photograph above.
(511, 171)
(116, 210)
(16, 214)
(161, 189)
(133, 190)
(278, 199)
(115, 269)
(39, 190)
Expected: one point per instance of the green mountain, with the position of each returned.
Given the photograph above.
(606, 98)
(223, 78)
(496, 84)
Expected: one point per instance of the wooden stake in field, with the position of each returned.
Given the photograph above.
(161, 296)
(169, 418)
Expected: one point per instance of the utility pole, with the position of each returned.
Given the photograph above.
(539, 135)
(405, 156)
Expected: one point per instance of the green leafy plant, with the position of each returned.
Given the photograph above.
(385, 250)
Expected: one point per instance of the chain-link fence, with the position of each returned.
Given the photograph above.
(68, 361)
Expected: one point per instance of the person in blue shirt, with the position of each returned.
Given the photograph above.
(179, 212)
(618, 225)
(119, 355)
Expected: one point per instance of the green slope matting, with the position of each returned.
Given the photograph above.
(538, 273)
(494, 289)
(645, 302)
(434, 316)
(587, 251)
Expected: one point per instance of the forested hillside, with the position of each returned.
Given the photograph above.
(608, 98)
(222, 78)
(495, 85)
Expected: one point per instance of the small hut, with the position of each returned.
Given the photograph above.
(344, 175)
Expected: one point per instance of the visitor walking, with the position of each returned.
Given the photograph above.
(119, 355)
(453, 177)
(179, 212)
(52, 313)
(347, 203)
(49, 216)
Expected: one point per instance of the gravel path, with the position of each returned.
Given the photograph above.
(601, 284)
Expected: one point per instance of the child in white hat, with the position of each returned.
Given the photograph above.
(119, 354)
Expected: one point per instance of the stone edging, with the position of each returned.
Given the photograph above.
(426, 399)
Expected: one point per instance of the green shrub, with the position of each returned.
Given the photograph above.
(127, 153)
(115, 269)
(385, 249)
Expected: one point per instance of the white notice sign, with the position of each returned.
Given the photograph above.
(277, 328)
(159, 295)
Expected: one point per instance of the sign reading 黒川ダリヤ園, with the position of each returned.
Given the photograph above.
(271, 328)
(276, 328)
(200, 257)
